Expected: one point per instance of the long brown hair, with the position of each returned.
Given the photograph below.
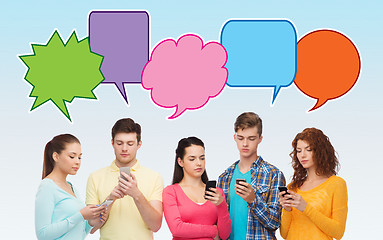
(324, 156)
(57, 144)
(178, 173)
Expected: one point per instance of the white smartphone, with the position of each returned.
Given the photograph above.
(125, 170)
(106, 203)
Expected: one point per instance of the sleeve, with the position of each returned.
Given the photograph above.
(224, 222)
(332, 226)
(44, 206)
(173, 218)
(269, 213)
(91, 192)
(158, 188)
(87, 228)
(285, 223)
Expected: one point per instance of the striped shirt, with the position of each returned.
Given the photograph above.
(265, 211)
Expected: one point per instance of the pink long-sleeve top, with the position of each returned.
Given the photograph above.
(189, 220)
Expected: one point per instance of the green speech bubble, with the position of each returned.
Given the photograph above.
(60, 72)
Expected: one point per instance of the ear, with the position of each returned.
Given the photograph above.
(180, 162)
(260, 139)
(55, 156)
(139, 144)
(234, 136)
(112, 141)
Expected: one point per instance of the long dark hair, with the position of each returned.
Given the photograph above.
(57, 144)
(178, 174)
(324, 156)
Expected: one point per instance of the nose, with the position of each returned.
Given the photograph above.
(198, 162)
(245, 141)
(124, 147)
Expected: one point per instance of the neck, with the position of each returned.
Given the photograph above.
(311, 174)
(191, 181)
(58, 176)
(245, 163)
(129, 164)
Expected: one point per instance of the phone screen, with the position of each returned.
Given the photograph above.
(210, 184)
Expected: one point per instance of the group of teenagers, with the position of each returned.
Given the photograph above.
(248, 201)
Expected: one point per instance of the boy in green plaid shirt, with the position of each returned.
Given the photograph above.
(251, 185)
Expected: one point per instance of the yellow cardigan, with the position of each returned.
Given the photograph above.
(325, 214)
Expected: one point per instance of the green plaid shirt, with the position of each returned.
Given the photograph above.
(265, 211)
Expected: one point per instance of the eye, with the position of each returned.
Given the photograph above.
(252, 139)
(71, 157)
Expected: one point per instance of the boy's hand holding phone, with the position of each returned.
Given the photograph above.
(244, 190)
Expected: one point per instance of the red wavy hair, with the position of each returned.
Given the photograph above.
(324, 156)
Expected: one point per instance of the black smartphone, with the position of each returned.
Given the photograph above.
(210, 184)
(239, 180)
(283, 189)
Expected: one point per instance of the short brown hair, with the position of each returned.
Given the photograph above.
(248, 120)
(126, 125)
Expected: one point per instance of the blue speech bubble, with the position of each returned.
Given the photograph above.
(261, 53)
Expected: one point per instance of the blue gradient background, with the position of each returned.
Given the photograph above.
(353, 122)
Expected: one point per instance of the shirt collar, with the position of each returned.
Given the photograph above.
(134, 168)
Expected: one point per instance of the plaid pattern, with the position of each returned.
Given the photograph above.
(265, 212)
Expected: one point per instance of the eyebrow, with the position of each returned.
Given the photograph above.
(244, 136)
(74, 153)
(203, 155)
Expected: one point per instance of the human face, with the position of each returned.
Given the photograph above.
(247, 142)
(125, 147)
(68, 160)
(305, 154)
(193, 163)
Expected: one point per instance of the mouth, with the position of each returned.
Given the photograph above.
(304, 161)
(198, 169)
(245, 150)
(124, 155)
(75, 168)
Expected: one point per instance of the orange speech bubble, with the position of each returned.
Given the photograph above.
(328, 65)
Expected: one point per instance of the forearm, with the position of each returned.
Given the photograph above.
(149, 214)
(285, 223)
(267, 214)
(55, 230)
(224, 222)
(330, 226)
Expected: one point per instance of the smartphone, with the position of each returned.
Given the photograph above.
(283, 189)
(106, 203)
(125, 170)
(239, 180)
(210, 184)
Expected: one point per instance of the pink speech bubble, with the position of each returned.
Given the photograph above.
(185, 74)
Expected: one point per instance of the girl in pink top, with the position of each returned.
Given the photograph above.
(189, 213)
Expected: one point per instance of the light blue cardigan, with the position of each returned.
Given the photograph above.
(57, 213)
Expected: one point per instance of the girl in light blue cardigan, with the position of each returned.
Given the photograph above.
(59, 213)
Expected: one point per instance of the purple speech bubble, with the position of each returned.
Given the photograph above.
(122, 37)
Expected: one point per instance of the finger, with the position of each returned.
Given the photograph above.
(133, 177)
(122, 181)
(240, 186)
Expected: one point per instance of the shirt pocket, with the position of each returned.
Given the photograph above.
(263, 191)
